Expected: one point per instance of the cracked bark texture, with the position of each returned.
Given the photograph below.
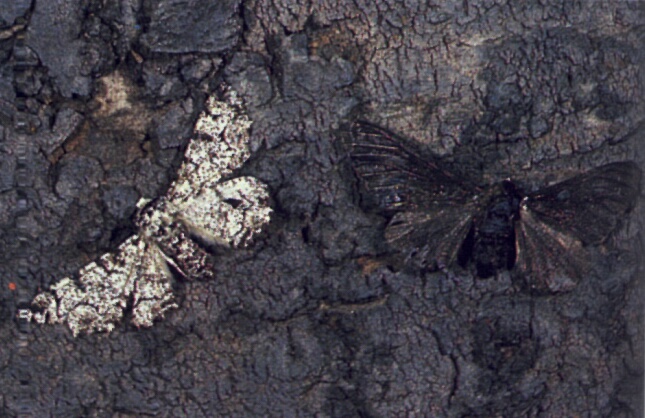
(97, 103)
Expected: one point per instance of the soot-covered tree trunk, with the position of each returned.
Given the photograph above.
(100, 109)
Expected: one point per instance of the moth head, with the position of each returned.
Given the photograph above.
(511, 189)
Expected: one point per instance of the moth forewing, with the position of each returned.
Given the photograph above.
(394, 174)
(95, 303)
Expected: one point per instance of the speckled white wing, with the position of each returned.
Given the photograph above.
(229, 213)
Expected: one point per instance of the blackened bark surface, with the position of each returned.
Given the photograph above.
(98, 100)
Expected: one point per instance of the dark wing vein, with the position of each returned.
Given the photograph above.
(440, 232)
(548, 259)
(590, 205)
(432, 209)
(394, 176)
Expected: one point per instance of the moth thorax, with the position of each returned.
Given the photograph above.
(503, 208)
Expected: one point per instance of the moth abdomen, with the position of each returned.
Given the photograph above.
(494, 243)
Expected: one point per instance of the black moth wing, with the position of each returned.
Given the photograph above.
(432, 237)
(548, 259)
(433, 209)
(395, 175)
(588, 206)
(558, 221)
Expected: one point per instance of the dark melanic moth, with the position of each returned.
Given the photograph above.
(438, 219)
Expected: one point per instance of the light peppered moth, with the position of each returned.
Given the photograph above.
(197, 204)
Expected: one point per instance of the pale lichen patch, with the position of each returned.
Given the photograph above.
(117, 105)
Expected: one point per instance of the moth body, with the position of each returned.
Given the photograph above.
(491, 241)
